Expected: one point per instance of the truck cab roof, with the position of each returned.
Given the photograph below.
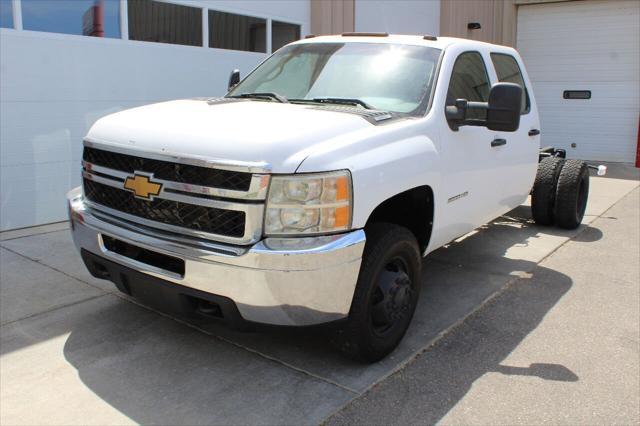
(416, 40)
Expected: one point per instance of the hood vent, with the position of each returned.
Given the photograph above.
(216, 101)
(371, 116)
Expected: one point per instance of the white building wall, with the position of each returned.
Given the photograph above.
(605, 61)
(53, 87)
(398, 17)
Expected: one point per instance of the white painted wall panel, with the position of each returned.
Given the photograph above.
(398, 16)
(53, 87)
(585, 45)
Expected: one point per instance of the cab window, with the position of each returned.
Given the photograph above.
(469, 80)
(508, 71)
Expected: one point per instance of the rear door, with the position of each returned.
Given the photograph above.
(518, 159)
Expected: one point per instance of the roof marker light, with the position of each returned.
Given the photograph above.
(365, 34)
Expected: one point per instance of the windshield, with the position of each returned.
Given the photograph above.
(389, 77)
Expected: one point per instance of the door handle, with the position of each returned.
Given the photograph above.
(534, 132)
(498, 142)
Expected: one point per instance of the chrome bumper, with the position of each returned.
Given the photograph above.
(280, 281)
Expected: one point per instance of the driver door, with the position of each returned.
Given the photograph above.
(472, 180)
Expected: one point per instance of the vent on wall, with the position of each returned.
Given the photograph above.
(576, 94)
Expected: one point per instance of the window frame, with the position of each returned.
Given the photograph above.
(170, 3)
(527, 109)
(280, 21)
(202, 5)
(486, 73)
(22, 21)
(267, 31)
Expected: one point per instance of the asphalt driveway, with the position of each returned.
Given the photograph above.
(74, 351)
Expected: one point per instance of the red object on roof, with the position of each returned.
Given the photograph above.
(93, 20)
(638, 146)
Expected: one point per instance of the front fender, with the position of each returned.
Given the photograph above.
(381, 167)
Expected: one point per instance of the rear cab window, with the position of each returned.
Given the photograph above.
(508, 71)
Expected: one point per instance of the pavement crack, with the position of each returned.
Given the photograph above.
(2, 240)
(53, 268)
(54, 309)
(270, 358)
(246, 348)
(286, 364)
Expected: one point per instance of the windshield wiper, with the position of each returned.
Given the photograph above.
(262, 95)
(343, 101)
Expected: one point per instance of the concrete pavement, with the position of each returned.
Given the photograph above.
(73, 350)
(559, 346)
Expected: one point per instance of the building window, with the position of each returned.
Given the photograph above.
(162, 22)
(6, 14)
(283, 33)
(237, 32)
(97, 18)
(508, 71)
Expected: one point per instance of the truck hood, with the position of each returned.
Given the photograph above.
(282, 135)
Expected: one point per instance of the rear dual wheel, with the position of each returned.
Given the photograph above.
(572, 193)
(560, 192)
(543, 196)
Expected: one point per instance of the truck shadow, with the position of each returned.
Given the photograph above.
(443, 375)
(137, 365)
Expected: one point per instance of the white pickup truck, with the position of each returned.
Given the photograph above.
(310, 192)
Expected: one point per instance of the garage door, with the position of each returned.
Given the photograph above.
(583, 58)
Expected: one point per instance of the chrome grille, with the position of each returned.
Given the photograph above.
(197, 198)
(207, 219)
(176, 172)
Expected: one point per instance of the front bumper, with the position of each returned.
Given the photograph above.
(279, 281)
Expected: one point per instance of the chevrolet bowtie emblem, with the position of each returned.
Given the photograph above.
(142, 187)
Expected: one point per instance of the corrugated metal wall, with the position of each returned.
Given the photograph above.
(496, 17)
(332, 16)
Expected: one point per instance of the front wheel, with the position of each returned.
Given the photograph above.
(386, 294)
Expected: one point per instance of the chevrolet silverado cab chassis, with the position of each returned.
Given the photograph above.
(310, 192)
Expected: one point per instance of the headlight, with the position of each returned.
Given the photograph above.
(315, 203)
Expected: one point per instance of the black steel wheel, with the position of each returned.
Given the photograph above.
(386, 294)
(392, 296)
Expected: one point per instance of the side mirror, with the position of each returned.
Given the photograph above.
(234, 78)
(503, 114)
(503, 109)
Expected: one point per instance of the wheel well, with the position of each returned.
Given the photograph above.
(412, 209)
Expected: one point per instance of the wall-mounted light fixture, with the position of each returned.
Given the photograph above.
(474, 26)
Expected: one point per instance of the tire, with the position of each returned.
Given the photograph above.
(543, 195)
(571, 194)
(386, 294)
